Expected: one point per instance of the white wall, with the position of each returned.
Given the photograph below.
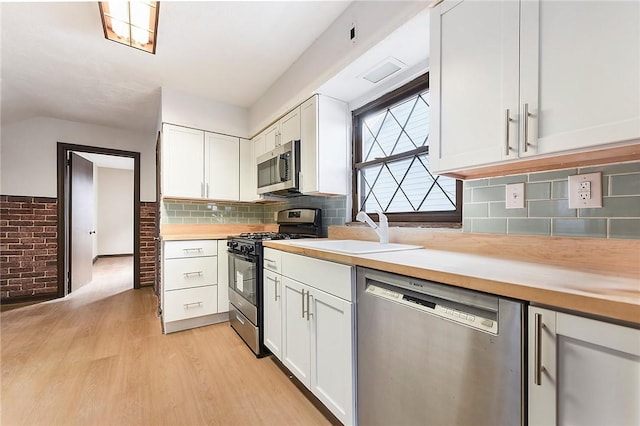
(96, 186)
(192, 111)
(115, 211)
(29, 153)
(330, 53)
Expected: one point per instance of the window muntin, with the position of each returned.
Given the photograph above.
(391, 163)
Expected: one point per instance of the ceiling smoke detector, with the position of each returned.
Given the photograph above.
(383, 70)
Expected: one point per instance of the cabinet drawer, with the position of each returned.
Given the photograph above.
(273, 260)
(194, 248)
(333, 278)
(190, 272)
(190, 303)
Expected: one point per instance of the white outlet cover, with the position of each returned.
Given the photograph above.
(594, 200)
(514, 198)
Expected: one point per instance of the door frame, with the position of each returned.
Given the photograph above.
(63, 150)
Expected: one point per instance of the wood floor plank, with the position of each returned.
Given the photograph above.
(98, 357)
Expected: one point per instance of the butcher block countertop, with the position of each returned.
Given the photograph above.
(601, 290)
(178, 232)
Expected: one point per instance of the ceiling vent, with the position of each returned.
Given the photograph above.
(383, 70)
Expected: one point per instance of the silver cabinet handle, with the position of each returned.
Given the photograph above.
(537, 373)
(188, 305)
(202, 189)
(207, 187)
(198, 249)
(190, 274)
(275, 284)
(309, 314)
(526, 115)
(302, 303)
(507, 122)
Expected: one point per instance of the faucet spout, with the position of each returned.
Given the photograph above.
(382, 229)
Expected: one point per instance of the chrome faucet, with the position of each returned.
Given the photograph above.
(382, 228)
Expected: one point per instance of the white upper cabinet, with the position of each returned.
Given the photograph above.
(289, 127)
(222, 167)
(515, 79)
(248, 177)
(199, 164)
(324, 162)
(182, 162)
(284, 130)
(270, 135)
(579, 73)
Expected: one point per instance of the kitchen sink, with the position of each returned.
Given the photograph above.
(353, 246)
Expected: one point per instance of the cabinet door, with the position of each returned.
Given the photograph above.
(272, 312)
(332, 354)
(580, 73)
(223, 277)
(309, 146)
(290, 127)
(222, 167)
(248, 179)
(589, 371)
(295, 330)
(182, 162)
(271, 137)
(259, 146)
(474, 81)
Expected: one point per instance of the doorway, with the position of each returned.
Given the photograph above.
(77, 220)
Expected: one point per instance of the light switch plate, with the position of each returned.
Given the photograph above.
(515, 196)
(585, 191)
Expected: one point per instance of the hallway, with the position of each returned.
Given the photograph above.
(99, 357)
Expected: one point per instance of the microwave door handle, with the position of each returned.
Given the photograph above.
(283, 167)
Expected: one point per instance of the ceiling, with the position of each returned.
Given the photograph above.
(56, 62)
(109, 161)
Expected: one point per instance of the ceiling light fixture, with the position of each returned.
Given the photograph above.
(383, 70)
(132, 23)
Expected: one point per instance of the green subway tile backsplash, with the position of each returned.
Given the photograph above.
(191, 212)
(546, 210)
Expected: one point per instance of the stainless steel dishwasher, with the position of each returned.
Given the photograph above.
(433, 354)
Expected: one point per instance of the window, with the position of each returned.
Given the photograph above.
(391, 160)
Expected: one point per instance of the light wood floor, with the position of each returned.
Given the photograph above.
(99, 357)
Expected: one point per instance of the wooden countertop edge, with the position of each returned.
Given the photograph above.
(184, 237)
(589, 304)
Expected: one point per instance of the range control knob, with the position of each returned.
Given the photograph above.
(250, 249)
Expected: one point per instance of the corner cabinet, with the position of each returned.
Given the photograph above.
(314, 336)
(324, 146)
(194, 284)
(198, 164)
(531, 78)
(582, 371)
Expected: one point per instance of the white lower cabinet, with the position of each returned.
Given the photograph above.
(582, 371)
(194, 284)
(311, 329)
(272, 305)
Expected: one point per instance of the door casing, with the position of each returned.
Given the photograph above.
(63, 150)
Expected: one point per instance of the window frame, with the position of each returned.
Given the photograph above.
(394, 97)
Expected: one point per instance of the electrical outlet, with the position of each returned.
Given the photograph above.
(514, 198)
(585, 191)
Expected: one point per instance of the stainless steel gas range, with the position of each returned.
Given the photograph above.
(245, 272)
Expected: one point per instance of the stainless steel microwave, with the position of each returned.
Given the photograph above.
(278, 170)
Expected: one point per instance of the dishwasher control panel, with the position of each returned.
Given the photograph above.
(461, 317)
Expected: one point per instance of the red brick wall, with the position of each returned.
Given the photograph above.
(28, 247)
(147, 244)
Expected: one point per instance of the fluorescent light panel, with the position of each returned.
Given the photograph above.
(131, 23)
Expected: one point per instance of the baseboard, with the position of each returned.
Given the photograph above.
(100, 256)
(173, 326)
(28, 299)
